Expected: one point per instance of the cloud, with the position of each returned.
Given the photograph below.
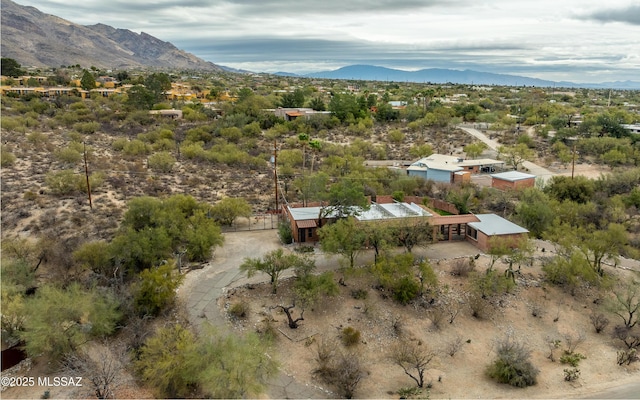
(628, 15)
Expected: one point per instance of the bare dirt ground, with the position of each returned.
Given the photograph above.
(458, 376)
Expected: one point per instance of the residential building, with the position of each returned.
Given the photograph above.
(442, 168)
(512, 180)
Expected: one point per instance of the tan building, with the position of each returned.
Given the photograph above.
(512, 180)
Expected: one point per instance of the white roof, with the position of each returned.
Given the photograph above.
(375, 212)
(512, 176)
(449, 163)
(492, 224)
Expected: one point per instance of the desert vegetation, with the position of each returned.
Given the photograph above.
(107, 209)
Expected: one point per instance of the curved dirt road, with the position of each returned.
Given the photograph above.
(202, 288)
(534, 169)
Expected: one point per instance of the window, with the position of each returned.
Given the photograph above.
(472, 233)
(310, 232)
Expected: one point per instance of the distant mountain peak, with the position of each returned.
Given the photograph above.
(38, 39)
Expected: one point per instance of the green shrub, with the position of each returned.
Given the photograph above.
(162, 161)
(86, 127)
(135, 147)
(406, 289)
(491, 283)
(156, 289)
(239, 310)
(284, 232)
(572, 359)
(6, 158)
(350, 336)
(68, 155)
(119, 143)
(63, 182)
(513, 365)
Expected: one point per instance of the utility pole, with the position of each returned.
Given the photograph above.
(86, 173)
(275, 170)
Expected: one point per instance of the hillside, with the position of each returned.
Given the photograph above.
(34, 38)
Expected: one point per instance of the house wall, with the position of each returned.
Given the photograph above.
(512, 185)
(482, 241)
(433, 174)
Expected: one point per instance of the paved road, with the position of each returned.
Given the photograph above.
(534, 169)
(203, 288)
(629, 391)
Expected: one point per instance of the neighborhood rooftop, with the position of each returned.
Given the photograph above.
(492, 224)
(512, 176)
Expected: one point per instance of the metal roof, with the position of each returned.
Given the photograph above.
(492, 224)
(512, 176)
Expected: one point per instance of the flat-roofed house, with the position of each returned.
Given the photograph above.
(512, 180)
(490, 226)
(443, 168)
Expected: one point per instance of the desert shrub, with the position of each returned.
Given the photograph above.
(37, 138)
(454, 345)
(571, 374)
(119, 143)
(86, 127)
(164, 145)
(193, 151)
(350, 336)
(63, 182)
(359, 294)
(409, 392)
(627, 356)
(162, 161)
(228, 209)
(513, 364)
(68, 155)
(156, 289)
(135, 147)
(338, 369)
(480, 307)
(6, 158)
(285, 233)
(437, 316)
(570, 272)
(629, 336)
(463, 267)
(94, 256)
(572, 359)
(491, 283)
(599, 322)
(406, 289)
(239, 310)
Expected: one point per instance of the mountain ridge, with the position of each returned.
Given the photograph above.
(442, 76)
(34, 38)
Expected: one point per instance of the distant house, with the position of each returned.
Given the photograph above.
(172, 113)
(289, 114)
(443, 168)
(512, 180)
(491, 225)
(633, 128)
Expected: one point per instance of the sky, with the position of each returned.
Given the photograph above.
(582, 41)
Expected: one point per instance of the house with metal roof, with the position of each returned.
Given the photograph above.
(477, 229)
(490, 226)
(442, 167)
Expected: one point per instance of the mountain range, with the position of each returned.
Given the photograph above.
(34, 38)
(441, 76)
(37, 39)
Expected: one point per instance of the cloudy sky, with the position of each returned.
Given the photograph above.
(576, 40)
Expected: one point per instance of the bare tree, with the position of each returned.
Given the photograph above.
(102, 368)
(413, 359)
(293, 323)
(627, 303)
